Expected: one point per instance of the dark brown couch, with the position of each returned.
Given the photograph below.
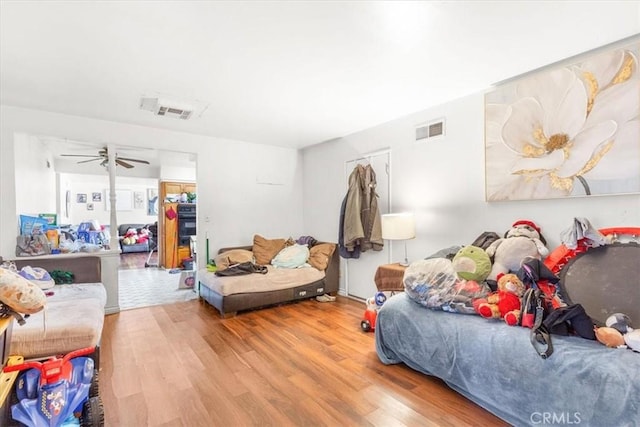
(230, 305)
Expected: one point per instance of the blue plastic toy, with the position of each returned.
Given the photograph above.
(57, 392)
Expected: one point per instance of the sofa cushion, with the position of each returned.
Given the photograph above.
(293, 256)
(320, 254)
(233, 256)
(275, 279)
(73, 318)
(265, 249)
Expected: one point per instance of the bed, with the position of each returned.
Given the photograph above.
(495, 365)
(230, 295)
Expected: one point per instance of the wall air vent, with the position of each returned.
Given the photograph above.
(430, 130)
(166, 108)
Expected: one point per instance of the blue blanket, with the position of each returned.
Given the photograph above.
(495, 365)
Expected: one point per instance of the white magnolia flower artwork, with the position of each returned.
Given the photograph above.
(565, 132)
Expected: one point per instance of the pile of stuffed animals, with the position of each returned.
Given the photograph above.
(134, 236)
(464, 283)
(470, 282)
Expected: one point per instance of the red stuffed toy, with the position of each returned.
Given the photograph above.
(505, 303)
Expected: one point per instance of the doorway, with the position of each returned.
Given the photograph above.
(359, 273)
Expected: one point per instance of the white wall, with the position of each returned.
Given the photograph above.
(35, 179)
(244, 189)
(179, 174)
(442, 182)
(89, 184)
(231, 193)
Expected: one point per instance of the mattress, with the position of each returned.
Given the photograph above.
(275, 279)
(72, 319)
(496, 366)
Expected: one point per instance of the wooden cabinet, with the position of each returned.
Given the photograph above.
(171, 252)
(6, 378)
(169, 235)
(389, 277)
(167, 188)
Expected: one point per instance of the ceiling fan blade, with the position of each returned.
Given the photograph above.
(78, 155)
(134, 160)
(90, 160)
(125, 164)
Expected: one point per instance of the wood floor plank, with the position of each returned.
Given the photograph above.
(303, 364)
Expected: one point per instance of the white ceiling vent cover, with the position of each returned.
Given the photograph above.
(166, 108)
(430, 130)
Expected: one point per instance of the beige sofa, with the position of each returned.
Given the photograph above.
(254, 290)
(74, 315)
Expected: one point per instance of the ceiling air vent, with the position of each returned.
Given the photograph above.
(430, 130)
(166, 108)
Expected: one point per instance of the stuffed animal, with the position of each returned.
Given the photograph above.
(130, 237)
(618, 333)
(523, 240)
(472, 263)
(143, 235)
(19, 295)
(505, 303)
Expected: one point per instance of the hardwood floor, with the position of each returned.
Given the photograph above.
(135, 260)
(303, 364)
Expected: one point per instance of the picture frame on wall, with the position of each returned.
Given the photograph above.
(138, 200)
(96, 197)
(569, 130)
(152, 201)
(81, 198)
(89, 206)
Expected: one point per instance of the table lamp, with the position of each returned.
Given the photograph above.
(399, 226)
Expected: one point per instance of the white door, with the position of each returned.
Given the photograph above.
(359, 272)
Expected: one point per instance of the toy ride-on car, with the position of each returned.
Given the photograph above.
(368, 323)
(58, 392)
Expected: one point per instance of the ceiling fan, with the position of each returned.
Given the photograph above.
(103, 155)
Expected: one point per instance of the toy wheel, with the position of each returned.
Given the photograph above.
(365, 325)
(92, 413)
(94, 388)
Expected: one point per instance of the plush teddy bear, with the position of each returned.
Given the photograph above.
(505, 303)
(523, 240)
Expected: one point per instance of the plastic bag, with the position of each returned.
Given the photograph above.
(32, 245)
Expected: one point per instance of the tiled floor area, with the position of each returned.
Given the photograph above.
(142, 287)
(150, 286)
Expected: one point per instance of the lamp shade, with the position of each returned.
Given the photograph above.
(398, 226)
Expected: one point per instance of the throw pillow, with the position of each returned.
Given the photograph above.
(231, 257)
(265, 249)
(291, 257)
(320, 254)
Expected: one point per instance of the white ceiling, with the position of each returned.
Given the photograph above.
(287, 73)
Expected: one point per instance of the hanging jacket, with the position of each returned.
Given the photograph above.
(362, 226)
(342, 250)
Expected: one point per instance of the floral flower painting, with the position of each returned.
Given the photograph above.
(566, 132)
